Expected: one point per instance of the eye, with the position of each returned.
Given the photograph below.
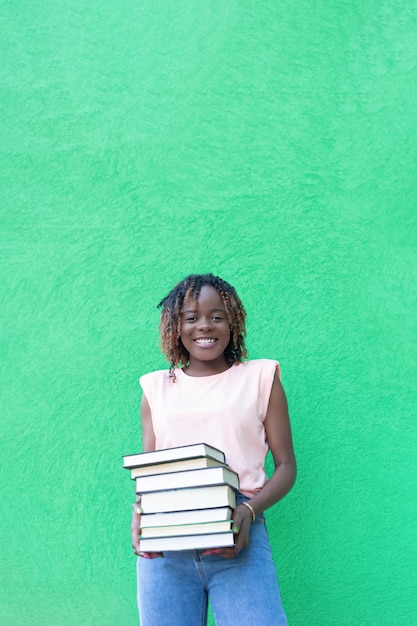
(218, 318)
(190, 318)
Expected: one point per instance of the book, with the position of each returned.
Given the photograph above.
(188, 499)
(186, 529)
(190, 478)
(172, 454)
(187, 542)
(176, 518)
(174, 466)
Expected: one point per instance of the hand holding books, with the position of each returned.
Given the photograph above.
(135, 532)
(242, 520)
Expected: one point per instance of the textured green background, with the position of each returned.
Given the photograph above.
(275, 144)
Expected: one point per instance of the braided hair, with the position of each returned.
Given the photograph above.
(170, 324)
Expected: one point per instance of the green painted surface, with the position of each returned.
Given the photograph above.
(274, 144)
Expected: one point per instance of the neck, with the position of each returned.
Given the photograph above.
(202, 368)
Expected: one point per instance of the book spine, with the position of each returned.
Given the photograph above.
(172, 454)
(188, 478)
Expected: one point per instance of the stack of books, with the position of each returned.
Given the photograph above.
(187, 497)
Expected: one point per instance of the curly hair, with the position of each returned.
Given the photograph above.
(170, 324)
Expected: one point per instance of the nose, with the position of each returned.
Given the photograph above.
(204, 323)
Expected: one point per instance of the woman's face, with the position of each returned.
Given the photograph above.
(205, 330)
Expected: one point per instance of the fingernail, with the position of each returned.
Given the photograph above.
(235, 529)
(139, 510)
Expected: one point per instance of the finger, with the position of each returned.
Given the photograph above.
(226, 553)
(242, 541)
(149, 555)
(143, 555)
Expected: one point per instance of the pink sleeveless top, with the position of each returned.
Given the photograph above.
(226, 410)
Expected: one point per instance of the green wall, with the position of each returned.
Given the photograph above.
(273, 143)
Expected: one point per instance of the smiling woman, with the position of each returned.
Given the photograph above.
(212, 393)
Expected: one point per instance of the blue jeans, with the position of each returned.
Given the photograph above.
(174, 590)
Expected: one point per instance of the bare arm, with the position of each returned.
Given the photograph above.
(148, 444)
(148, 435)
(278, 435)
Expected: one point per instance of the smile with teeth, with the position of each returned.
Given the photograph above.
(204, 341)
